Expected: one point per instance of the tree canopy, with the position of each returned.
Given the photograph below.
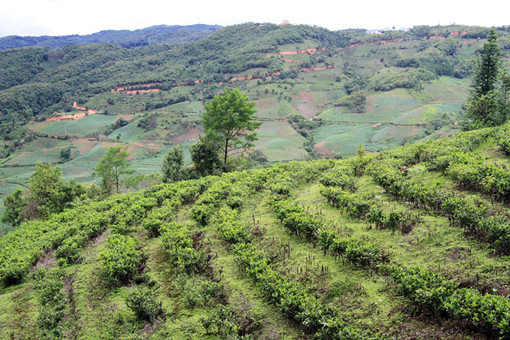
(228, 122)
(488, 104)
(46, 193)
(113, 165)
(173, 163)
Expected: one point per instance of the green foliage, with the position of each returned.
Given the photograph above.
(287, 294)
(435, 292)
(339, 176)
(112, 166)
(488, 103)
(449, 156)
(172, 165)
(441, 66)
(65, 154)
(226, 205)
(410, 78)
(25, 102)
(355, 102)
(47, 193)
(228, 122)
(351, 203)
(205, 158)
(504, 144)
(44, 186)
(53, 300)
(488, 67)
(161, 34)
(231, 229)
(220, 321)
(120, 259)
(148, 122)
(15, 205)
(142, 302)
(177, 241)
(20, 65)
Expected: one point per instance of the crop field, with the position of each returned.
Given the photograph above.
(276, 138)
(448, 89)
(79, 128)
(398, 110)
(40, 150)
(345, 139)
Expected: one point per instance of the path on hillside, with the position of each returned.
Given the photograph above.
(75, 116)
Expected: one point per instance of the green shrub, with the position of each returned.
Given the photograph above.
(120, 259)
(142, 302)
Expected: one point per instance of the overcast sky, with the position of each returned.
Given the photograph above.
(62, 17)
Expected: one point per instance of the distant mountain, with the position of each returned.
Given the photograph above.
(142, 37)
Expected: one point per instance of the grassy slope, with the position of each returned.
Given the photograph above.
(364, 297)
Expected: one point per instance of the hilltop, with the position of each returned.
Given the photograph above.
(410, 243)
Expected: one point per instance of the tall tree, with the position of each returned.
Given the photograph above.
(46, 193)
(228, 123)
(488, 67)
(15, 204)
(113, 165)
(488, 102)
(172, 165)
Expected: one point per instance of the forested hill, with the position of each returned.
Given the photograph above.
(80, 72)
(128, 39)
(412, 243)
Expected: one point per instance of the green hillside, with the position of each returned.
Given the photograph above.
(349, 87)
(411, 243)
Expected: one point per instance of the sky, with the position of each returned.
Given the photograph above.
(64, 17)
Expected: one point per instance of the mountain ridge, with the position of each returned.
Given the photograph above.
(156, 34)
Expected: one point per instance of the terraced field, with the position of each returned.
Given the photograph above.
(411, 243)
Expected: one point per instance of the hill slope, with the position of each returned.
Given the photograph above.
(409, 243)
(317, 92)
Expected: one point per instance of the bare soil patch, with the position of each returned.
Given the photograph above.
(264, 103)
(84, 145)
(311, 69)
(89, 111)
(323, 149)
(47, 260)
(190, 135)
(134, 146)
(101, 238)
(307, 51)
(75, 116)
(304, 104)
(125, 117)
